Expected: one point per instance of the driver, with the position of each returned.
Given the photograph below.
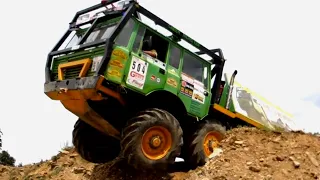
(152, 53)
(148, 47)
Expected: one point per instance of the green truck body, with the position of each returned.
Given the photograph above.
(103, 74)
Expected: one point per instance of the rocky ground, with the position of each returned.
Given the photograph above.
(248, 153)
(66, 165)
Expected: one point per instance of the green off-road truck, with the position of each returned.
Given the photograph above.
(138, 93)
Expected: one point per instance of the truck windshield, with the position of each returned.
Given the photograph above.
(101, 32)
(73, 38)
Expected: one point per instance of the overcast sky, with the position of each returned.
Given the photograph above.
(274, 45)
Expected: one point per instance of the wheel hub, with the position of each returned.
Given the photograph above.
(211, 142)
(155, 142)
(211, 145)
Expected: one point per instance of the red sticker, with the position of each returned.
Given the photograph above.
(184, 84)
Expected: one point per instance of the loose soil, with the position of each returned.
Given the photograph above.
(248, 154)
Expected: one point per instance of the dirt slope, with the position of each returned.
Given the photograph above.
(248, 153)
(66, 165)
(254, 154)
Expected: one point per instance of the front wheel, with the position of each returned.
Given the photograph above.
(92, 145)
(203, 142)
(152, 140)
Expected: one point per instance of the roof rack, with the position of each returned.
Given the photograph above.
(123, 5)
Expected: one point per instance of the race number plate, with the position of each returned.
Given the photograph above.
(137, 73)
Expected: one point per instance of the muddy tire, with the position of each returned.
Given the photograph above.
(92, 145)
(152, 140)
(199, 145)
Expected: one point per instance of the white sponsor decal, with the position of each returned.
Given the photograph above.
(187, 78)
(199, 86)
(198, 96)
(137, 73)
(95, 62)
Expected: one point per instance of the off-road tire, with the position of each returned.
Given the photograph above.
(193, 150)
(92, 145)
(133, 133)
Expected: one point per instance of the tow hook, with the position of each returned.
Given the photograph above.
(63, 90)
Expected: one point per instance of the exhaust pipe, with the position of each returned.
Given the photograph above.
(231, 88)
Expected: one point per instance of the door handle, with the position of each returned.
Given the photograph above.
(162, 71)
(206, 93)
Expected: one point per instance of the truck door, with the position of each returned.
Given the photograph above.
(194, 85)
(173, 68)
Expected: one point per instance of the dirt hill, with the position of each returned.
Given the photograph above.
(248, 153)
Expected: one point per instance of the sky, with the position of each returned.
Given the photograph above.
(273, 45)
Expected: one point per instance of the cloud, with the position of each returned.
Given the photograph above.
(306, 116)
(314, 98)
(306, 112)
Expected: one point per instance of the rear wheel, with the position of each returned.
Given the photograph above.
(152, 140)
(92, 145)
(202, 143)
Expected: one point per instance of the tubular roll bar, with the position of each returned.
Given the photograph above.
(133, 8)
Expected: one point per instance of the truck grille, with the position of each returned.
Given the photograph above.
(68, 72)
(72, 72)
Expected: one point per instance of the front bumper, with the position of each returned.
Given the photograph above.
(80, 88)
(74, 94)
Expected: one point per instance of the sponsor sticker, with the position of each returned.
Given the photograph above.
(137, 74)
(198, 96)
(120, 54)
(172, 82)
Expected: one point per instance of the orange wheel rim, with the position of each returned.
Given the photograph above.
(211, 142)
(156, 142)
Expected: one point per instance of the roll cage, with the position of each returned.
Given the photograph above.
(132, 8)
